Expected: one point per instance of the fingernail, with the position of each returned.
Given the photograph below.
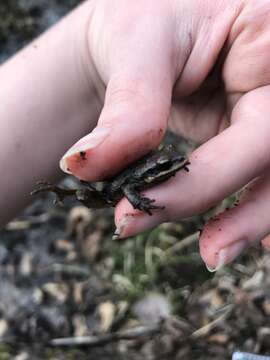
(228, 254)
(88, 142)
(266, 243)
(120, 229)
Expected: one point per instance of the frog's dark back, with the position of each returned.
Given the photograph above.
(147, 166)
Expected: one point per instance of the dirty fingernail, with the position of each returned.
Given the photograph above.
(228, 254)
(220, 263)
(266, 243)
(120, 228)
(88, 142)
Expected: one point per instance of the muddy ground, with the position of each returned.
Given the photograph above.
(150, 297)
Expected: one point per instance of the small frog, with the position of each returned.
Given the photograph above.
(152, 169)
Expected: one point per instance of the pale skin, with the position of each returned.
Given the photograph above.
(130, 71)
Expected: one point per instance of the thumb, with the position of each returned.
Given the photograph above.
(133, 122)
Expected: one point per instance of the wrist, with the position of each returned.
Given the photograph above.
(48, 101)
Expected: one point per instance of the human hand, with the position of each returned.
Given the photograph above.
(204, 66)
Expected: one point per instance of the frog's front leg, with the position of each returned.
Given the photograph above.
(139, 202)
(92, 199)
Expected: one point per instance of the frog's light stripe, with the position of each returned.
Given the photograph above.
(247, 356)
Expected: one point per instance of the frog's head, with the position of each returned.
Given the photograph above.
(168, 154)
(165, 163)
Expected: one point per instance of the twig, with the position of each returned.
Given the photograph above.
(203, 331)
(65, 269)
(24, 224)
(130, 334)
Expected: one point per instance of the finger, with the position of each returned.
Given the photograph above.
(203, 115)
(266, 243)
(218, 168)
(136, 108)
(230, 233)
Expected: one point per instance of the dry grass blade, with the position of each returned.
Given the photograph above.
(24, 224)
(203, 331)
(181, 245)
(129, 334)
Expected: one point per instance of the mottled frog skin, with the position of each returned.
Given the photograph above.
(152, 169)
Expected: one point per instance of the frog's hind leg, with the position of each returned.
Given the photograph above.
(139, 202)
(61, 193)
(89, 185)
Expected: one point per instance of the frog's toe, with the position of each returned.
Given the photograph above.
(148, 201)
(146, 205)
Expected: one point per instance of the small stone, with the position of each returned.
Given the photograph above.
(59, 292)
(152, 308)
(64, 245)
(79, 325)
(78, 220)
(26, 266)
(91, 246)
(106, 313)
(266, 306)
(3, 327)
(22, 356)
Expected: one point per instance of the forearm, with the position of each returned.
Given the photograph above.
(47, 103)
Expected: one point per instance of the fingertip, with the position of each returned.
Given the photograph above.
(130, 221)
(214, 238)
(266, 243)
(107, 150)
(123, 209)
(223, 239)
(75, 160)
(208, 252)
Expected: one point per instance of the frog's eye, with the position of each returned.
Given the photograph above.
(162, 160)
(149, 179)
